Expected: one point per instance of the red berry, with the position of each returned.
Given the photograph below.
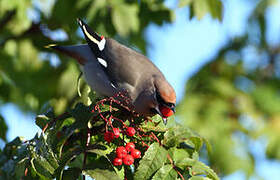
(121, 152)
(129, 146)
(165, 111)
(130, 131)
(108, 136)
(116, 132)
(117, 161)
(128, 160)
(135, 153)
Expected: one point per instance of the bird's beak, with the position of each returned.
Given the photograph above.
(173, 109)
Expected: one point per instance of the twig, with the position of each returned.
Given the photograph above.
(85, 153)
(174, 167)
(7, 17)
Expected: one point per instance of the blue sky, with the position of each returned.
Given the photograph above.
(179, 50)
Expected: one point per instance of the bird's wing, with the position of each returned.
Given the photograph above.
(124, 66)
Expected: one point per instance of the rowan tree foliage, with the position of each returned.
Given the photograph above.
(82, 135)
(76, 144)
(228, 102)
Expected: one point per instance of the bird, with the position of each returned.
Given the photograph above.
(110, 67)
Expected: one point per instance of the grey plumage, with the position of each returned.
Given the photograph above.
(121, 68)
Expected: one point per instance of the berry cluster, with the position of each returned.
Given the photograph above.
(126, 155)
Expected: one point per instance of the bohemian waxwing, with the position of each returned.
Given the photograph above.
(109, 67)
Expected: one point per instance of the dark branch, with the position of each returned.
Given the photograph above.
(7, 17)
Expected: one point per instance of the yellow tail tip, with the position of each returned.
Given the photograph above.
(50, 46)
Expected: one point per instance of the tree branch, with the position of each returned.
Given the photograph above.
(7, 17)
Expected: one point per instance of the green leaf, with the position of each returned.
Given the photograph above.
(42, 120)
(208, 146)
(176, 135)
(101, 150)
(196, 142)
(13, 144)
(199, 168)
(165, 173)
(202, 7)
(125, 18)
(71, 173)
(153, 159)
(82, 114)
(67, 157)
(3, 128)
(178, 156)
(102, 174)
(183, 3)
(20, 168)
(42, 167)
(185, 162)
(155, 125)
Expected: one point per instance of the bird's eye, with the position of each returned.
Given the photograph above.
(171, 105)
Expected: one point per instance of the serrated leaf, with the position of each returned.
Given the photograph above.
(178, 155)
(199, 168)
(42, 120)
(42, 167)
(155, 125)
(176, 135)
(15, 142)
(153, 159)
(101, 150)
(43, 150)
(165, 173)
(101, 174)
(184, 163)
(196, 142)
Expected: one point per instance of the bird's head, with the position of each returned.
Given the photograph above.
(165, 97)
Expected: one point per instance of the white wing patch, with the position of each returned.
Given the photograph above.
(113, 85)
(102, 62)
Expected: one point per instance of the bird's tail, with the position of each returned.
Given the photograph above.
(96, 43)
(77, 52)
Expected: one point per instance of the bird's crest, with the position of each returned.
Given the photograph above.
(96, 42)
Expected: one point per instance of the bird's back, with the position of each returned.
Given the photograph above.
(127, 66)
